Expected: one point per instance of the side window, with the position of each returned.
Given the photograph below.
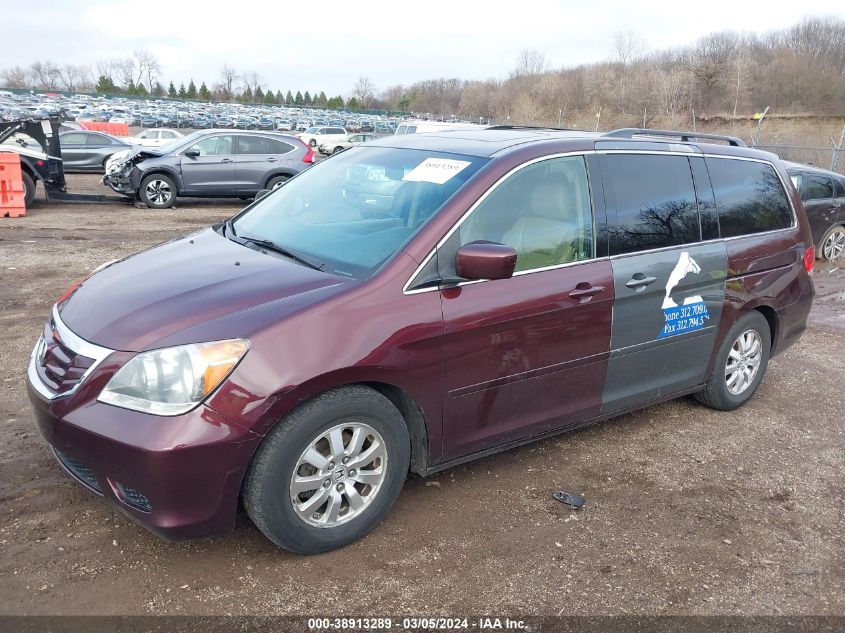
(749, 197)
(213, 146)
(74, 139)
(253, 145)
(279, 147)
(817, 188)
(168, 135)
(543, 211)
(653, 201)
(839, 188)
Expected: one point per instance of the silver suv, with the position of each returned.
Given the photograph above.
(209, 163)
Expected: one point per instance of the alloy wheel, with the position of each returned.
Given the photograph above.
(158, 191)
(834, 245)
(338, 475)
(743, 362)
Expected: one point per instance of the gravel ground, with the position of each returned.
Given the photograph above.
(689, 511)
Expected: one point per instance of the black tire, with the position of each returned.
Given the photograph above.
(312, 142)
(149, 197)
(839, 230)
(275, 180)
(28, 189)
(716, 394)
(267, 495)
(337, 150)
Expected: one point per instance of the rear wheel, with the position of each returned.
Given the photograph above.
(337, 149)
(833, 243)
(740, 364)
(312, 142)
(329, 472)
(276, 180)
(158, 191)
(28, 189)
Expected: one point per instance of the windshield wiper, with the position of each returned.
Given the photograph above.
(281, 250)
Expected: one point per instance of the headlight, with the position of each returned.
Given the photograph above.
(173, 380)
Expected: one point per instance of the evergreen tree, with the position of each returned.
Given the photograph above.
(105, 84)
(297, 100)
(130, 88)
(246, 96)
(183, 94)
(158, 90)
(171, 91)
(353, 103)
(322, 100)
(141, 90)
(259, 94)
(289, 99)
(280, 98)
(204, 94)
(192, 90)
(307, 99)
(269, 98)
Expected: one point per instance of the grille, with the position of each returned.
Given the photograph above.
(58, 366)
(79, 470)
(132, 497)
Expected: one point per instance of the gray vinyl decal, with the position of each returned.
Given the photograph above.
(666, 313)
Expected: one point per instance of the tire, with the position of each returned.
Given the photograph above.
(312, 143)
(164, 185)
(738, 348)
(275, 180)
(28, 189)
(832, 245)
(328, 524)
(337, 150)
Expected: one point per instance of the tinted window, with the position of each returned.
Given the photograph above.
(817, 188)
(279, 147)
(839, 188)
(543, 211)
(98, 139)
(73, 139)
(253, 145)
(749, 197)
(653, 201)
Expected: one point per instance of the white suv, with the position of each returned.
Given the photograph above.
(315, 136)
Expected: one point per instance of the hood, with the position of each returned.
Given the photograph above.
(183, 285)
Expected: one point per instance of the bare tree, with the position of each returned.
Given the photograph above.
(71, 76)
(529, 62)
(628, 46)
(122, 69)
(252, 80)
(45, 74)
(146, 65)
(673, 91)
(363, 91)
(16, 77)
(228, 76)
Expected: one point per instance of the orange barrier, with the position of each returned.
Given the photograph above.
(115, 129)
(12, 193)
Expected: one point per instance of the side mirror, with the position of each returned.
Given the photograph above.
(485, 260)
(262, 193)
(192, 153)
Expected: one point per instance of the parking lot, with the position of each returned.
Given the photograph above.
(689, 510)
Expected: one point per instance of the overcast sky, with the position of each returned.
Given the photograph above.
(327, 45)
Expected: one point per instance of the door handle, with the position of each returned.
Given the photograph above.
(584, 291)
(272, 160)
(226, 160)
(640, 281)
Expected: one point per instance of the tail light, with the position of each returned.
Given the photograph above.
(809, 258)
(309, 154)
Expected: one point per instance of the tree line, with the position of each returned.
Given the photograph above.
(730, 75)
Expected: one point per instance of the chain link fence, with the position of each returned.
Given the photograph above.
(823, 157)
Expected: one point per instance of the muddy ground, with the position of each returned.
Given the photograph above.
(689, 511)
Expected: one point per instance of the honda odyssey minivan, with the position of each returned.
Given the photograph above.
(309, 353)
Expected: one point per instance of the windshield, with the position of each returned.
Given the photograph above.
(354, 211)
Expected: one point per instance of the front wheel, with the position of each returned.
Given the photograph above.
(337, 149)
(28, 189)
(313, 143)
(328, 473)
(158, 191)
(740, 364)
(833, 243)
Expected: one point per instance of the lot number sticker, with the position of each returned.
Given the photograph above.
(436, 170)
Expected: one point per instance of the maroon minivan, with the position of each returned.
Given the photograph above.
(411, 304)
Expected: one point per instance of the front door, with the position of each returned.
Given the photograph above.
(528, 354)
(213, 171)
(820, 203)
(669, 283)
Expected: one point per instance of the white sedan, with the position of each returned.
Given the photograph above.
(153, 137)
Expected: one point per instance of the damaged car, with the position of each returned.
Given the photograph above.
(208, 164)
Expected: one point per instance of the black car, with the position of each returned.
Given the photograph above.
(823, 195)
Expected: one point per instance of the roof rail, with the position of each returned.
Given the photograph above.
(531, 127)
(686, 137)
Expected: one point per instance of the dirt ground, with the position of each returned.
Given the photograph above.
(689, 511)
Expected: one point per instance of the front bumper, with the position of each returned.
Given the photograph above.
(120, 181)
(180, 477)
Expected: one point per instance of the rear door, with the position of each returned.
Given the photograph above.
(528, 354)
(819, 202)
(669, 270)
(73, 146)
(213, 171)
(257, 158)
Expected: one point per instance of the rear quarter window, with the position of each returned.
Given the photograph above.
(749, 197)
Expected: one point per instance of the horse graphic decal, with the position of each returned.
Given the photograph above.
(690, 316)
